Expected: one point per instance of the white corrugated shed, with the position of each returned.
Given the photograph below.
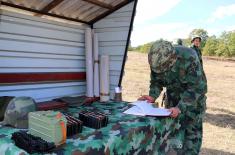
(32, 45)
(112, 35)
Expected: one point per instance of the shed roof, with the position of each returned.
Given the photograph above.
(83, 11)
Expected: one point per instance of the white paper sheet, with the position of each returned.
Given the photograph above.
(144, 108)
(134, 111)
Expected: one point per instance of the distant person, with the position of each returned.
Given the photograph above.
(180, 42)
(196, 43)
(179, 70)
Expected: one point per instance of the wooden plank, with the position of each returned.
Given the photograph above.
(50, 6)
(100, 4)
(40, 77)
(44, 13)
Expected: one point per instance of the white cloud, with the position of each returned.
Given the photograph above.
(150, 9)
(169, 31)
(230, 28)
(221, 12)
(147, 11)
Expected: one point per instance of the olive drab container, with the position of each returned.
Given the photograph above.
(49, 125)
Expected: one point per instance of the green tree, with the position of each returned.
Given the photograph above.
(226, 44)
(211, 46)
(222, 50)
(200, 32)
(231, 44)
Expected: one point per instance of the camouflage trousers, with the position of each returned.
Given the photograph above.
(193, 127)
(193, 136)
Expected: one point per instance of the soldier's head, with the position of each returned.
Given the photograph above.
(196, 40)
(162, 56)
(179, 42)
(16, 113)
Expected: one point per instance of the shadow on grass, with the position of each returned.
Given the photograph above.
(221, 120)
(206, 151)
(222, 110)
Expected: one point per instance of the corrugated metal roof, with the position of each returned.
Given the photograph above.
(85, 11)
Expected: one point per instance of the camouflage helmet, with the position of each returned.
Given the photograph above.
(161, 56)
(195, 37)
(16, 114)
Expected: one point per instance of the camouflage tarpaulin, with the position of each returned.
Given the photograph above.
(125, 134)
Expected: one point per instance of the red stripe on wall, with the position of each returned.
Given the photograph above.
(41, 77)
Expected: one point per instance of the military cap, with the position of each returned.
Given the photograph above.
(161, 56)
(195, 37)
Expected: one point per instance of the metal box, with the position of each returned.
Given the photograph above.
(49, 125)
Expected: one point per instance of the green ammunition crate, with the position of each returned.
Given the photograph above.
(49, 125)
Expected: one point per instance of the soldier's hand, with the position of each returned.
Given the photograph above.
(174, 112)
(146, 97)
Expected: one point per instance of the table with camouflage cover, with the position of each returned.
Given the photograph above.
(125, 134)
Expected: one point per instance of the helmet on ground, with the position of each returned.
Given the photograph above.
(162, 56)
(16, 113)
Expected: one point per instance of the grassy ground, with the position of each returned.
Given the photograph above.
(219, 125)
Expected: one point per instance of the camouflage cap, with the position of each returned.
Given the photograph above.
(16, 114)
(161, 56)
(195, 37)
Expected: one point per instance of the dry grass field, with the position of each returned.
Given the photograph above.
(219, 125)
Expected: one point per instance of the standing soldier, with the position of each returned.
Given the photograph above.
(179, 70)
(196, 42)
(180, 42)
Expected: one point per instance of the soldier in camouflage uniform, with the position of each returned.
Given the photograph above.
(179, 70)
(196, 41)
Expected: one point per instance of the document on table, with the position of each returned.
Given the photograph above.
(143, 108)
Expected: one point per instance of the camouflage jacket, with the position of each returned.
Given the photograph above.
(185, 82)
(199, 53)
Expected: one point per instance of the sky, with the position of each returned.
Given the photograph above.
(172, 19)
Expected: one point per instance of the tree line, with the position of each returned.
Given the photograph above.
(223, 45)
